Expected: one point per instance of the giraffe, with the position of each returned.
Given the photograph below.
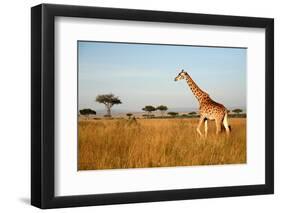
(209, 109)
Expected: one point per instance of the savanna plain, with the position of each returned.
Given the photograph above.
(143, 143)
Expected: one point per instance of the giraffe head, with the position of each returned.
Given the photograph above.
(181, 75)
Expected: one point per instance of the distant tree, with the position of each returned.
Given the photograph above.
(237, 111)
(228, 111)
(109, 100)
(162, 109)
(173, 114)
(149, 109)
(148, 115)
(87, 112)
(192, 113)
(129, 115)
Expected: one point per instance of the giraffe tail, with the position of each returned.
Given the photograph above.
(226, 126)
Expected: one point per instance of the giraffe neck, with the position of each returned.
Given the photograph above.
(197, 92)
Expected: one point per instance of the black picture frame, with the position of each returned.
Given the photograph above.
(43, 117)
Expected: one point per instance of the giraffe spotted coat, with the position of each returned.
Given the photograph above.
(208, 109)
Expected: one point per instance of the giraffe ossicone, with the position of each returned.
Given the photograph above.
(208, 109)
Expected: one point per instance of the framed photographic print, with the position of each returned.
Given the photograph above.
(139, 106)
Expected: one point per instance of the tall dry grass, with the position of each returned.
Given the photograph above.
(121, 143)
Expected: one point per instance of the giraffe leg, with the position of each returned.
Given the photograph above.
(206, 127)
(225, 124)
(218, 125)
(199, 125)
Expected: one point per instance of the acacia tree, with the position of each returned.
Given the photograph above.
(87, 112)
(192, 114)
(149, 109)
(129, 115)
(162, 109)
(237, 111)
(173, 114)
(109, 100)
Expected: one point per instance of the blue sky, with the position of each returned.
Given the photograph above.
(143, 74)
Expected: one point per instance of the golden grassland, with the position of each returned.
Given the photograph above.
(142, 143)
